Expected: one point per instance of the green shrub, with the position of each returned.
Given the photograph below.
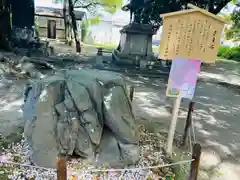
(232, 53)
(89, 39)
(222, 51)
(36, 31)
(84, 30)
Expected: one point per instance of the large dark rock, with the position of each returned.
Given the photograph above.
(84, 112)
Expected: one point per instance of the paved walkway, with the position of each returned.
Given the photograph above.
(223, 71)
(216, 116)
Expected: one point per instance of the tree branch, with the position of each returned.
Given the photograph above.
(220, 6)
(75, 2)
(93, 4)
(88, 5)
(210, 6)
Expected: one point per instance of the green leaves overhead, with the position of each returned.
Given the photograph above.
(89, 21)
(92, 6)
(151, 11)
(234, 1)
(94, 20)
(233, 32)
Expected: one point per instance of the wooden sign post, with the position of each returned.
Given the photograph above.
(181, 84)
(173, 124)
(61, 165)
(193, 35)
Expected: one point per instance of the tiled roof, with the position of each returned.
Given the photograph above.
(56, 12)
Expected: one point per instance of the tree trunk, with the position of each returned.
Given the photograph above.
(68, 28)
(210, 5)
(65, 19)
(5, 30)
(69, 34)
(74, 25)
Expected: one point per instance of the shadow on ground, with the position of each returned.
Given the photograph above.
(216, 118)
(11, 99)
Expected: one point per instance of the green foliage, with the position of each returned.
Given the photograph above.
(108, 47)
(85, 26)
(153, 8)
(233, 32)
(112, 6)
(92, 6)
(84, 30)
(229, 53)
(89, 39)
(36, 30)
(226, 17)
(95, 20)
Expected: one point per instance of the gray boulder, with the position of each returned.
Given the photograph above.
(83, 112)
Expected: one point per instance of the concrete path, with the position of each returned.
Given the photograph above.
(216, 118)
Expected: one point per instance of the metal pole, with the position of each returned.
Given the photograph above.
(188, 123)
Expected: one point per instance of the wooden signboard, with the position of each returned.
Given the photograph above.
(191, 34)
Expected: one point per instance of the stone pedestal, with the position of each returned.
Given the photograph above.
(24, 43)
(22, 37)
(135, 45)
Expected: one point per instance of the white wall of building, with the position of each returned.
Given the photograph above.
(48, 3)
(108, 30)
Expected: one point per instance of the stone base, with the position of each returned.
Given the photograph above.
(133, 60)
(135, 45)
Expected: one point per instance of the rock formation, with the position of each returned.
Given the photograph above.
(82, 112)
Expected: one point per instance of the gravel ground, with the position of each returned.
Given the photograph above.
(151, 155)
